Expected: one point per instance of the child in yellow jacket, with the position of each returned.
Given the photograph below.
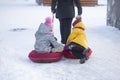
(77, 41)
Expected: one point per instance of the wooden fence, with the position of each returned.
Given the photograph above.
(83, 2)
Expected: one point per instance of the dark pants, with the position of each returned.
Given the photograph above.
(65, 28)
(77, 50)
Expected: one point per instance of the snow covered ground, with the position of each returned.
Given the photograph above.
(19, 22)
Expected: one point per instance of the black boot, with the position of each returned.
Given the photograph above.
(87, 58)
(82, 60)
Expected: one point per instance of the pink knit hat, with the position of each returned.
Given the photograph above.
(49, 22)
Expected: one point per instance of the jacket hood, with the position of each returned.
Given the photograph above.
(43, 28)
(79, 24)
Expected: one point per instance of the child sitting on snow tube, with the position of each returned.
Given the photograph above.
(77, 41)
(45, 40)
(46, 47)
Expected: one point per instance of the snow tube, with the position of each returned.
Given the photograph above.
(44, 58)
(67, 54)
(89, 53)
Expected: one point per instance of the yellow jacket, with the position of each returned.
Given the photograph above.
(78, 34)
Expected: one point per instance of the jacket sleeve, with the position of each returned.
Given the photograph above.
(53, 5)
(78, 4)
(53, 42)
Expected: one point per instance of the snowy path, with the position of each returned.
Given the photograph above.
(104, 64)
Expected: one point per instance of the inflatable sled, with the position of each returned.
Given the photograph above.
(67, 54)
(44, 58)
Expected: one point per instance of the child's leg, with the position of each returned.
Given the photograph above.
(77, 50)
(78, 54)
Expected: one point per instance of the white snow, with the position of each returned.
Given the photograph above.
(15, 46)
